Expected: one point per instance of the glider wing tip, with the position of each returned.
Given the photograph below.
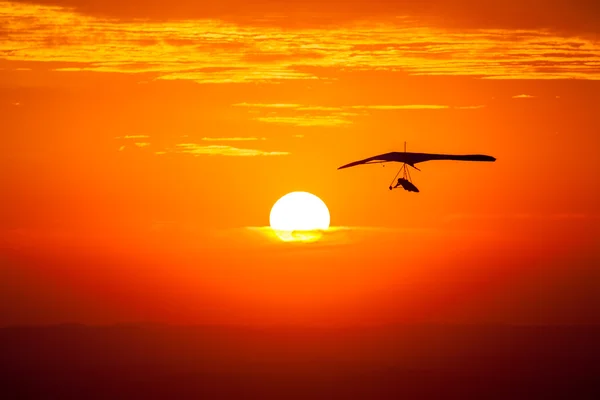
(486, 158)
(352, 164)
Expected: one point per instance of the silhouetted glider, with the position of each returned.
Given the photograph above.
(411, 159)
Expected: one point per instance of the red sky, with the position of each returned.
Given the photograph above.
(140, 141)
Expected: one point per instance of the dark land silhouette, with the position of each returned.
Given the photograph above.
(148, 361)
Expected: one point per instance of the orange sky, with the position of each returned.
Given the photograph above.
(141, 140)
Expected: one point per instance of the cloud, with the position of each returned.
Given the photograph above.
(333, 236)
(231, 139)
(197, 150)
(316, 115)
(477, 107)
(319, 108)
(403, 107)
(574, 16)
(289, 106)
(132, 137)
(136, 137)
(142, 144)
(316, 238)
(275, 57)
(268, 73)
(212, 51)
(261, 105)
(338, 110)
(523, 96)
(314, 120)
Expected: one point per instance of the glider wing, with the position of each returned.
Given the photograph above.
(414, 158)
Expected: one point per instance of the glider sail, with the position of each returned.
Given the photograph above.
(414, 158)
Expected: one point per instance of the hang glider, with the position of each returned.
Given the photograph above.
(409, 160)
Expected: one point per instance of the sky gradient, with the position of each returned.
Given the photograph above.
(143, 145)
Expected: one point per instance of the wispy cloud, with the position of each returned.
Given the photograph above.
(300, 107)
(402, 107)
(334, 235)
(319, 108)
(142, 144)
(523, 96)
(197, 150)
(231, 139)
(132, 137)
(212, 51)
(272, 105)
(477, 107)
(314, 120)
(317, 115)
(290, 106)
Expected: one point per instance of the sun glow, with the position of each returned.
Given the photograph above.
(299, 216)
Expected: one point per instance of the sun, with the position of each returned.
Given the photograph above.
(299, 212)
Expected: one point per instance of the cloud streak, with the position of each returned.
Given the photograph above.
(523, 96)
(221, 150)
(231, 139)
(402, 107)
(307, 120)
(211, 51)
(261, 105)
(477, 107)
(315, 115)
(574, 16)
(133, 137)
